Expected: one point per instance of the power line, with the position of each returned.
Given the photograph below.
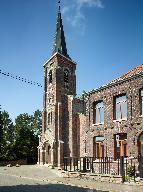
(19, 78)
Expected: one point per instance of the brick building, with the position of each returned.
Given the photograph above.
(115, 117)
(108, 122)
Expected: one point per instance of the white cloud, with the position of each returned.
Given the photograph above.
(90, 3)
(65, 10)
(77, 18)
(72, 10)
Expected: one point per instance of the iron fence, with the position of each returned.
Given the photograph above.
(125, 167)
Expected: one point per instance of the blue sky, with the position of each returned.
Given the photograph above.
(104, 38)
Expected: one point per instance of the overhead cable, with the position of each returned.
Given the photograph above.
(20, 78)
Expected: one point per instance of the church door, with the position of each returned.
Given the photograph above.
(48, 154)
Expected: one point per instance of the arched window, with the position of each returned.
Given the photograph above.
(66, 76)
(50, 76)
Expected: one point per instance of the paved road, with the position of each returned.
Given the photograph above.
(43, 179)
(35, 179)
(15, 184)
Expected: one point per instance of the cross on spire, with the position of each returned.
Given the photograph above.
(59, 2)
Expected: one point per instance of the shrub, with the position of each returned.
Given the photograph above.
(131, 171)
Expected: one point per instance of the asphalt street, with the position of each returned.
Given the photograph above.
(17, 184)
(34, 178)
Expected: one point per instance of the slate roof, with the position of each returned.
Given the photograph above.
(59, 40)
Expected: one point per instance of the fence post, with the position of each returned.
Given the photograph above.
(91, 164)
(118, 167)
(87, 163)
(80, 164)
(134, 172)
(105, 165)
(122, 169)
(126, 166)
(102, 163)
(64, 164)
(74, 162)
(84, 164)
(109, 164)
(70, 163)
(77, 163)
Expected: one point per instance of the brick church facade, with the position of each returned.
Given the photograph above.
(107, 121)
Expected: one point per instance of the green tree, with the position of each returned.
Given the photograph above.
(37, 122)
(23, 136)
(6, 136)
(27, 128)
(8, 127)
(84, 95)
(20, 140)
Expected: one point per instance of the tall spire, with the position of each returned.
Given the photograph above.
(59, 41)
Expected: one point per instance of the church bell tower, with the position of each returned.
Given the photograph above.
(59, 85)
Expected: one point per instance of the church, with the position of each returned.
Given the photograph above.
(107, 121)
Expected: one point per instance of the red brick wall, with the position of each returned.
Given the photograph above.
(133, 126)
